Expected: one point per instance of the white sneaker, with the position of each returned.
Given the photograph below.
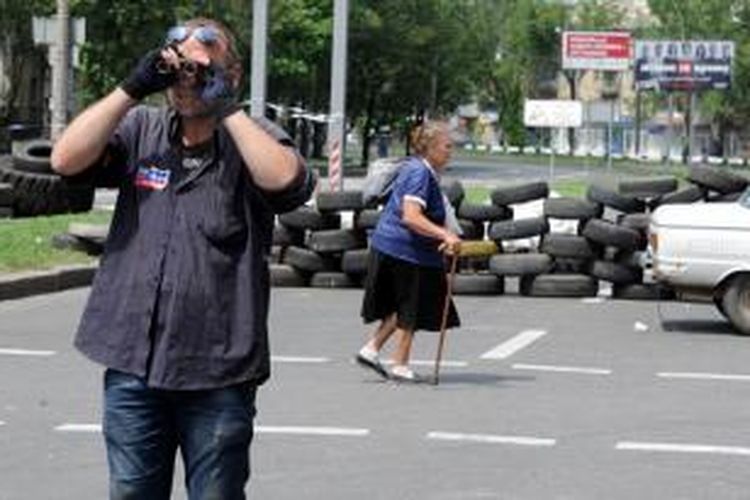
(402, 373)
(368, 358)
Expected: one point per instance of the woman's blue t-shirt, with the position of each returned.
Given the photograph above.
(417, 182)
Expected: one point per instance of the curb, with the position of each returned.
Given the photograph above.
(18, 285)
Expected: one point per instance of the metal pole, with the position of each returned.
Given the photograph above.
(337, 118)
(258, 71)
(670, 126)
(60, 69)
(690, 129)
(609, 132)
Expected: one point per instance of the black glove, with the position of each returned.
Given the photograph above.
(219, 93)
(146, 78)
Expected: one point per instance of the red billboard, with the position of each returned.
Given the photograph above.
(597, 50)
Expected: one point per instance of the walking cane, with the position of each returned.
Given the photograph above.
(444, 321)
(465, 249)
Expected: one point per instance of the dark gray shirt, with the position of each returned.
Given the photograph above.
(182, 292)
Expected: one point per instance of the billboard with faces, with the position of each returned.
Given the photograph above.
(683, 65)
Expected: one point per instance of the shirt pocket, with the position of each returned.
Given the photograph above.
(220, 215)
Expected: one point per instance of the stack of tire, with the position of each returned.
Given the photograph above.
(473, 276)
(553, 264)
(311, 246)
(36, 189)
(6, 200)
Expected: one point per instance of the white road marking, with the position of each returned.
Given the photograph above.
(298, 359)
(314, 431)
(427, 362)
(593, 300)
(682, 448)
(491, 439)
(24, 352)
(563, 369)
(515, 344)
(79, 428)
(704, 376)
(2, 423)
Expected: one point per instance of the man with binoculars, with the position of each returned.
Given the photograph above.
(178, 310)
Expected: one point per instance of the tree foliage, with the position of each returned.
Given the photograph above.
(17, 48)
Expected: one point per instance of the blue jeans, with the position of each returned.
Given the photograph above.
(144, 427)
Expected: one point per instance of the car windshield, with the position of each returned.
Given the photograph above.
(745, 198)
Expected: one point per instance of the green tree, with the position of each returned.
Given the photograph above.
(713, 20)
(17, 48)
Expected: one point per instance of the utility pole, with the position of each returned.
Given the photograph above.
(337, 115)
(258, 64)
(60, 72)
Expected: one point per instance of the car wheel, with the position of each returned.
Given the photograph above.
(736, 303)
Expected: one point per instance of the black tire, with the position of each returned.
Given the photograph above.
(33, 157)
(559, 285)
(724, 198)
(309, 218)
(572, 208)
(288, 236)
(355, 261)
(615, 273)
(736, 303)
(483, 213)
(6, 195)
(520, 264)
(471, 230)
(647, 187)
(637, 222)
(66, 241)
(723, 181)
(332, 280)
(339, 200)
(44, 194)
(518, 229)
(336, 240)
(640, 291)
(308, 261)
(367, 219)
(455, 193)
(570, 265)
(478, 284)
(689, 194)
(508, 195)
(567, 245)
(283, 275)
(606, 233)
(609, 198)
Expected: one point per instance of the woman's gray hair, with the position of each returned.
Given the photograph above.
(425, 133)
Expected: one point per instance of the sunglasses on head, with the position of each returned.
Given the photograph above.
(207, 35)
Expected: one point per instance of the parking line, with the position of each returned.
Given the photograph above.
(2, 423)
(24, 352)
(298, 359)
(682, 448)
(431, 362)
(314, 431)
(515, 344)
(704, 376)
(79, 428)
(563, 369)
(491, 439)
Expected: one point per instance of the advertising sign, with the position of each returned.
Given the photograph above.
(552, 113)
(596, 50)
(683, 65)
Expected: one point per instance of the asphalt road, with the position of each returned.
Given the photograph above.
(538, 399)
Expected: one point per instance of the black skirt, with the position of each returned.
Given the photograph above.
(415, 293)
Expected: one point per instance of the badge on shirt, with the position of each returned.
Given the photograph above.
(151, 177)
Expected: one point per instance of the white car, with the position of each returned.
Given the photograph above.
(704, 249)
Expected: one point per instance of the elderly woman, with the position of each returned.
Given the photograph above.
(406, 285)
